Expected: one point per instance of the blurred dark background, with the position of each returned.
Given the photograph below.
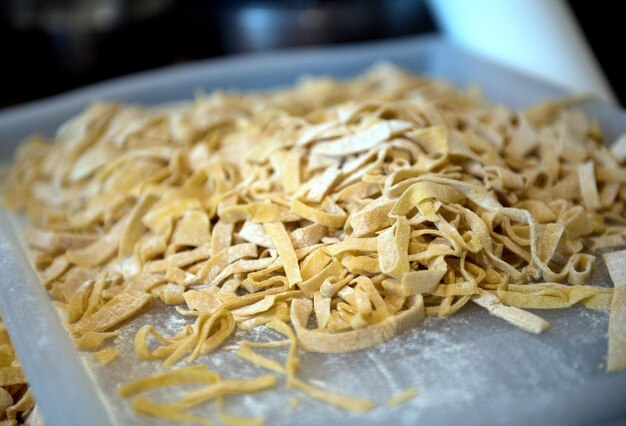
(50, 46)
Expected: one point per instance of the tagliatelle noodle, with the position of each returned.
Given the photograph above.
(119, 308)
(370, 203)
(522, 319)
(616, 264)
(286, 254)
(196, 374)
(357, 339)
(226, 387)
(342, 401)
(403, 397)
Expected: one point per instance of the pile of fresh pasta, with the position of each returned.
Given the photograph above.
(338, 213)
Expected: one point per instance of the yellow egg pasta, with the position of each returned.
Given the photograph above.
(616, 264)
(402, 397)
(338, 213)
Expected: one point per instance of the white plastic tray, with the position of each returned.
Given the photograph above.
(471, 368)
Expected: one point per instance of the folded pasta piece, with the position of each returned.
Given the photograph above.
(419, 282)
(363, 141)
(588, 186)
(518, 317)
(372, 217)
(372, 335)
(353, 244)
(120, 308)
(393, 247)
(99, 251)
(553, 295)
(221, 260)
(255, 233)
(331, 220)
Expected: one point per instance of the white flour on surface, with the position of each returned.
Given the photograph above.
(470, 358)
